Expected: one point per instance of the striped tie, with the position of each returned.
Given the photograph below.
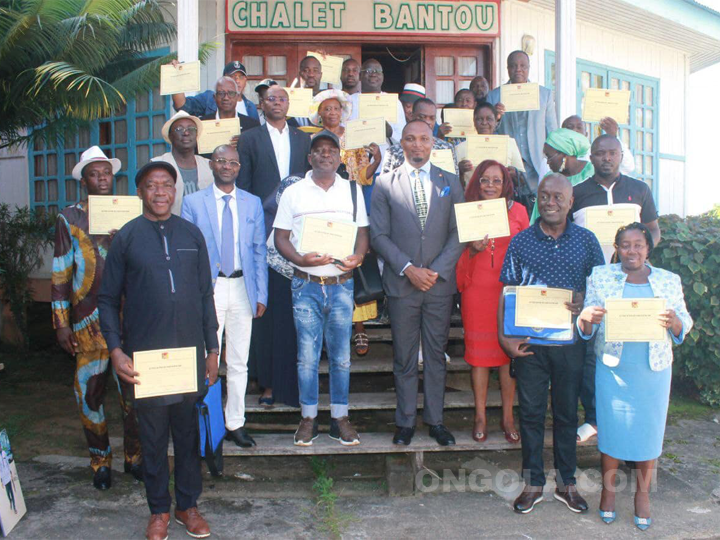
(421, 206)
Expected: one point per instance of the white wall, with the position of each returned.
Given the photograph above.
(14, 183)
(212, 29)
(597, 44)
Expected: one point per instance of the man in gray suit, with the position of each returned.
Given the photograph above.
(528, 128)
(413, 228)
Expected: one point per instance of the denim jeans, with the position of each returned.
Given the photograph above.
(323, 311)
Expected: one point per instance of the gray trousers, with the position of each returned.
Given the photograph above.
(414, 317)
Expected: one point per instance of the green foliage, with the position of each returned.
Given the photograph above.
(329, 519)
(64, 63)
(24, 236)
(690, 248)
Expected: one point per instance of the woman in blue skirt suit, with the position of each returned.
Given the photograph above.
(632, 379)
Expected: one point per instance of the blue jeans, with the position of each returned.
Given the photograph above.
(323, 311)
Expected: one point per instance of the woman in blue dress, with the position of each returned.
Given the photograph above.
(632, 379)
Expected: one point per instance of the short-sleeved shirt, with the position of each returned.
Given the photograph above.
(535, 258)
(305, 198)
(625, 190)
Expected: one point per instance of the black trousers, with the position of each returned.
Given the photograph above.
(561, 369)
(155, 424)
(587, 390)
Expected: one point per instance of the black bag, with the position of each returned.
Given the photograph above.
(523, 194)
(367, 278)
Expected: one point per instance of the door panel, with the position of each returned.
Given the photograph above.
(448, 69)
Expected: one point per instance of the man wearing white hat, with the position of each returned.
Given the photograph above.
(78, 263)
(182, 132)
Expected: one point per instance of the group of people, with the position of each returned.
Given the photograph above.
(216, 253)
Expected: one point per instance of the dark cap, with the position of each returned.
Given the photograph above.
(232, 67)
(153, 165)
(265, 83)
(325, 134)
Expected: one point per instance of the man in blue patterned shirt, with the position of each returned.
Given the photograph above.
(553, 252)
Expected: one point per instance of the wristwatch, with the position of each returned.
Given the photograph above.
(214, 351)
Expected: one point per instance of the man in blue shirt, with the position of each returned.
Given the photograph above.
(204, 103)
(552, 253)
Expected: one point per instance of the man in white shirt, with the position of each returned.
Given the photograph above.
(322, 288)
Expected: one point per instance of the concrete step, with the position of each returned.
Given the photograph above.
(373, 364)
(384, 334)
(365, 401)
(373, 443)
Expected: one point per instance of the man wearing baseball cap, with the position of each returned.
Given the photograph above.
(204, 104)
(322, 287)
(78, 262)
(157, 294)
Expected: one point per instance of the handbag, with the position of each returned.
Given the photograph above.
(211, 424)
(523, 194)
(367, 278)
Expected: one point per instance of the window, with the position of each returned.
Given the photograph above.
(451, 69)
(132, 134)
(640, 135)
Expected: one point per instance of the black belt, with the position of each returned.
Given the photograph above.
(235, 274)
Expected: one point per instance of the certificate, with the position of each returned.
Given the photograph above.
(110, 212)
(478, 219)
(374, 105)
(217, 132)
(461, 120)
(605, 221)
(360, 133)
(181, 79)
(336, 238)
(443, 159)
(520, 97)
(541, 307)
(165, 372)
(634, 319)
(599, 103)
(482, 147)
(331, 67)
(300, 101)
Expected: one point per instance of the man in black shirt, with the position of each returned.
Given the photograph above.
(159, 264)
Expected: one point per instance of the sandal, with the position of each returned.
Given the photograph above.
(513, 437)
(477, 435)
(362, 343)
(585, 432)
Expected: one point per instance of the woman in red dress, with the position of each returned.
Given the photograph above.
(478, 279)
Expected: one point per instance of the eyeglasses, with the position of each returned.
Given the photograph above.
(371, 71)
(279, 99)
(185, 129)
(487, 182)
(222, 162)
(228, 94)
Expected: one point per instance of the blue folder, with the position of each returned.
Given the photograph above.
(538, 336)
(211, 421)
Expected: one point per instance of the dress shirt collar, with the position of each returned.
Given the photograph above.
(272, 129)
(219, 193)
(540, 234)
(409, 168)
(617, 182)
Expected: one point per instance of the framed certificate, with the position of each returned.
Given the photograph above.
(300, 101)
(482, 147)
(443, 159)
(331, 67)
(217, 132)
(634, 319)
(520, 97)
(181, 79)
(599, 103)
(362, 132)
(605, 221)
(543, 307)
(461, 120)
(110, 212)
(375, 105)
(165, 372)
(336, 238)
(477, 219)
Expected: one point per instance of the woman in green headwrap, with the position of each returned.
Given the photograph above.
(562, 149)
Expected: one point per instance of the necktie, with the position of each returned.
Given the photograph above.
(421, 206)
(227, 249)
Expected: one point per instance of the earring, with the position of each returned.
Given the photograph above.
(562, 165)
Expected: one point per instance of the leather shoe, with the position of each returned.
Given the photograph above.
(135, 469)
(571, 498)
(240, 437)
(526, 501)
(195, 524)
(157, 527)
(102, 479)
(403, 435)
(442, 435)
